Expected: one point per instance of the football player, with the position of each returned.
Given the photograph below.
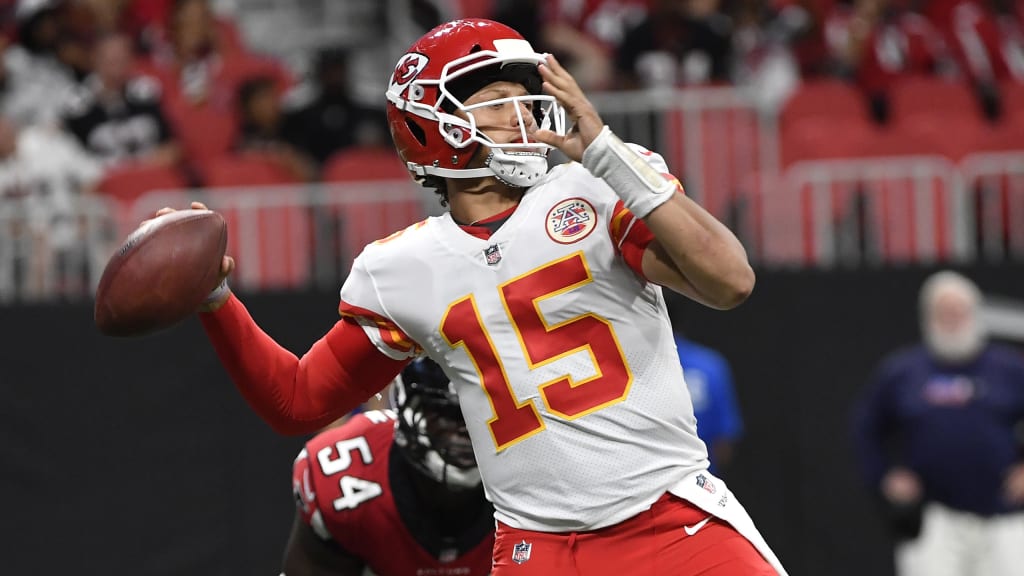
(540, 294)
(395, 492)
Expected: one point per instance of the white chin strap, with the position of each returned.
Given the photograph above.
(519, 169)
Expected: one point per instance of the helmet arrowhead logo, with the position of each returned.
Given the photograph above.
(407, 69)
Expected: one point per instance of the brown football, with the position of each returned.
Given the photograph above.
(161, 273)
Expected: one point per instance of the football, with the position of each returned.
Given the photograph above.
(161, 273)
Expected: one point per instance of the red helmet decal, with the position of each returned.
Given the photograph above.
(407, 69)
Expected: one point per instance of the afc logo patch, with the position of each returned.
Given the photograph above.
(571, 220)
(521, 552)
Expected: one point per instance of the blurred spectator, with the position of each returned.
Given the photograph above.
(263, 129)
(526, 16)
(43, 174)
(326, 119)
(809, 46)
(107, 14)
(875, 43)
(200, 72)
(987, 41)
(8, 23)
(77, 26)
(37, 81)
(937, 441)
(193, 56)
(680, 42)
(585, 34)
(116, 117)
(709, 380)
(161, 27)
(762, 47)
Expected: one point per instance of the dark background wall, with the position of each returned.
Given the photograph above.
(138, 457)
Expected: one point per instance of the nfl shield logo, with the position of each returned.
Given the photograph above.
(706, 484)
(521, 552)
(492, 254)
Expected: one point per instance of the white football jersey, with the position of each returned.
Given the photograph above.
(563, 356)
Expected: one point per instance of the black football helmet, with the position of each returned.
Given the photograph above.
(431, 431)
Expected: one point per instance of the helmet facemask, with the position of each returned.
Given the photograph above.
(431, 432)
(521, 163)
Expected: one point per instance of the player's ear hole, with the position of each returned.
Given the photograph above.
(417, 132)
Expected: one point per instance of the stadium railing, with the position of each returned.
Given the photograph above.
(723, 146)
(287, 237)
(48, 254)
(995, 183)
(873, 211)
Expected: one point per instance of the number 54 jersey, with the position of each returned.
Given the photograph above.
(347, 491)
(561, 352)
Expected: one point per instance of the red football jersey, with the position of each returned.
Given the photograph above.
(343, 488)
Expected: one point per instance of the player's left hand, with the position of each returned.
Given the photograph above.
(227, 265)
(1014, 485)
(586, 123)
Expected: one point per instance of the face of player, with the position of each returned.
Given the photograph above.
(448, 436)
(952, 330)
(504, 113)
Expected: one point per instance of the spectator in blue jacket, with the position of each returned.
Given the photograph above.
(936, 433)
(709, 381)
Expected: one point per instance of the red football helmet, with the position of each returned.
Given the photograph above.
(441, 70)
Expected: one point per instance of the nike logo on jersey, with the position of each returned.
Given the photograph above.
(691, 530)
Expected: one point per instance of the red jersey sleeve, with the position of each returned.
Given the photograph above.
(298, 395)
(629, 233)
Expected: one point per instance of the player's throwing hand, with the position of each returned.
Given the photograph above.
(587, 124)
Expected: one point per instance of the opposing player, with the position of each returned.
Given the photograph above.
(539, 293)
(396, 492)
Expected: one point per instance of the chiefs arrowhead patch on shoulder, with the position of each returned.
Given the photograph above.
(571, 220)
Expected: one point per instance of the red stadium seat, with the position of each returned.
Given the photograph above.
(1008, 133)
(1012, 94)
(365, 221)
(825, 99)
(933, 116)
(932, 97)
(247, 170)
(205, 132)
(364, 163)
(952, 136)
(826, 119)
(128, 183)
(1004, 136)
(823, 138)
(269, 235)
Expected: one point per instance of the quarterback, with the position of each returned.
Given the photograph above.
(539, 293)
